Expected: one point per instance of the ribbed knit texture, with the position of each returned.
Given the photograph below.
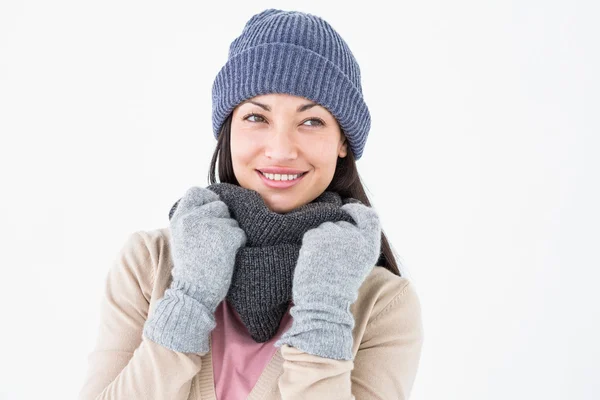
(261, 287)
(181, 321)
(295, 53)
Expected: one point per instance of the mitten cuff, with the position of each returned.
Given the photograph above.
(313, 333)
(179, 321)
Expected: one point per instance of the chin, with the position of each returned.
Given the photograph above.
(280, 207)
(280, 204)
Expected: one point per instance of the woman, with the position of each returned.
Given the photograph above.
(276, 282)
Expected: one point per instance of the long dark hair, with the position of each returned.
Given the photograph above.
(346, 182)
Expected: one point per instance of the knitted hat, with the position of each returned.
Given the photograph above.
(299, 54)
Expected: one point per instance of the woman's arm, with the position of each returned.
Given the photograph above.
(388, 357)
(384, 367)
(124, 364)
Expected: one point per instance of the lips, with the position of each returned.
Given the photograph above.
(281, 170)
(280, 184)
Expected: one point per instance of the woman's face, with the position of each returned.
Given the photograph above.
(285, 135)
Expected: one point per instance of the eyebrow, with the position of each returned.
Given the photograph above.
(301, 108)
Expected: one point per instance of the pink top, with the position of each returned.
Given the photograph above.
(236, 357)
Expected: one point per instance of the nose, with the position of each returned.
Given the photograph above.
(281, 146)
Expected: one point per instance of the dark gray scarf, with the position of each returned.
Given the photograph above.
(261, 287)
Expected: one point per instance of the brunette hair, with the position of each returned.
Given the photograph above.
(346, 182)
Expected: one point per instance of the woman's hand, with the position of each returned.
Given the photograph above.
(205, 240)
(204, 243)
(334, 260)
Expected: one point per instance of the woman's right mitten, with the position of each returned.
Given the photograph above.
(204, 243)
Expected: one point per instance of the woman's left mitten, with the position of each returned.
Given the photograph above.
(334, 260)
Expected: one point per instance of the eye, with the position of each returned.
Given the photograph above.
(261, 119)
(318, 121)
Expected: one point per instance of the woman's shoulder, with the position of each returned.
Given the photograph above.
(388, 309)
(151, 250)
(383, 290)
(155, 240)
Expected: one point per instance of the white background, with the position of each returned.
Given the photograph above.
(482, 160)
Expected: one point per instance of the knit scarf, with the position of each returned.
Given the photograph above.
(261, 287)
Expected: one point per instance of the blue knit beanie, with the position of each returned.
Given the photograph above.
(299, 54)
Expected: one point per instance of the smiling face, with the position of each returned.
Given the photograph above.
(284, 135)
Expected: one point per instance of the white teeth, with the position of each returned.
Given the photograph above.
(281, 177)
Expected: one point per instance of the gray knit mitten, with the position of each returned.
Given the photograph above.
(204, 242)
(334, 260)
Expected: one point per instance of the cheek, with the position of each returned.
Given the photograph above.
(323, 153)
(238, 155)
(242, 147)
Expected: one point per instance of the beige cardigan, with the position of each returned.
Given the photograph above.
(388, 336)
